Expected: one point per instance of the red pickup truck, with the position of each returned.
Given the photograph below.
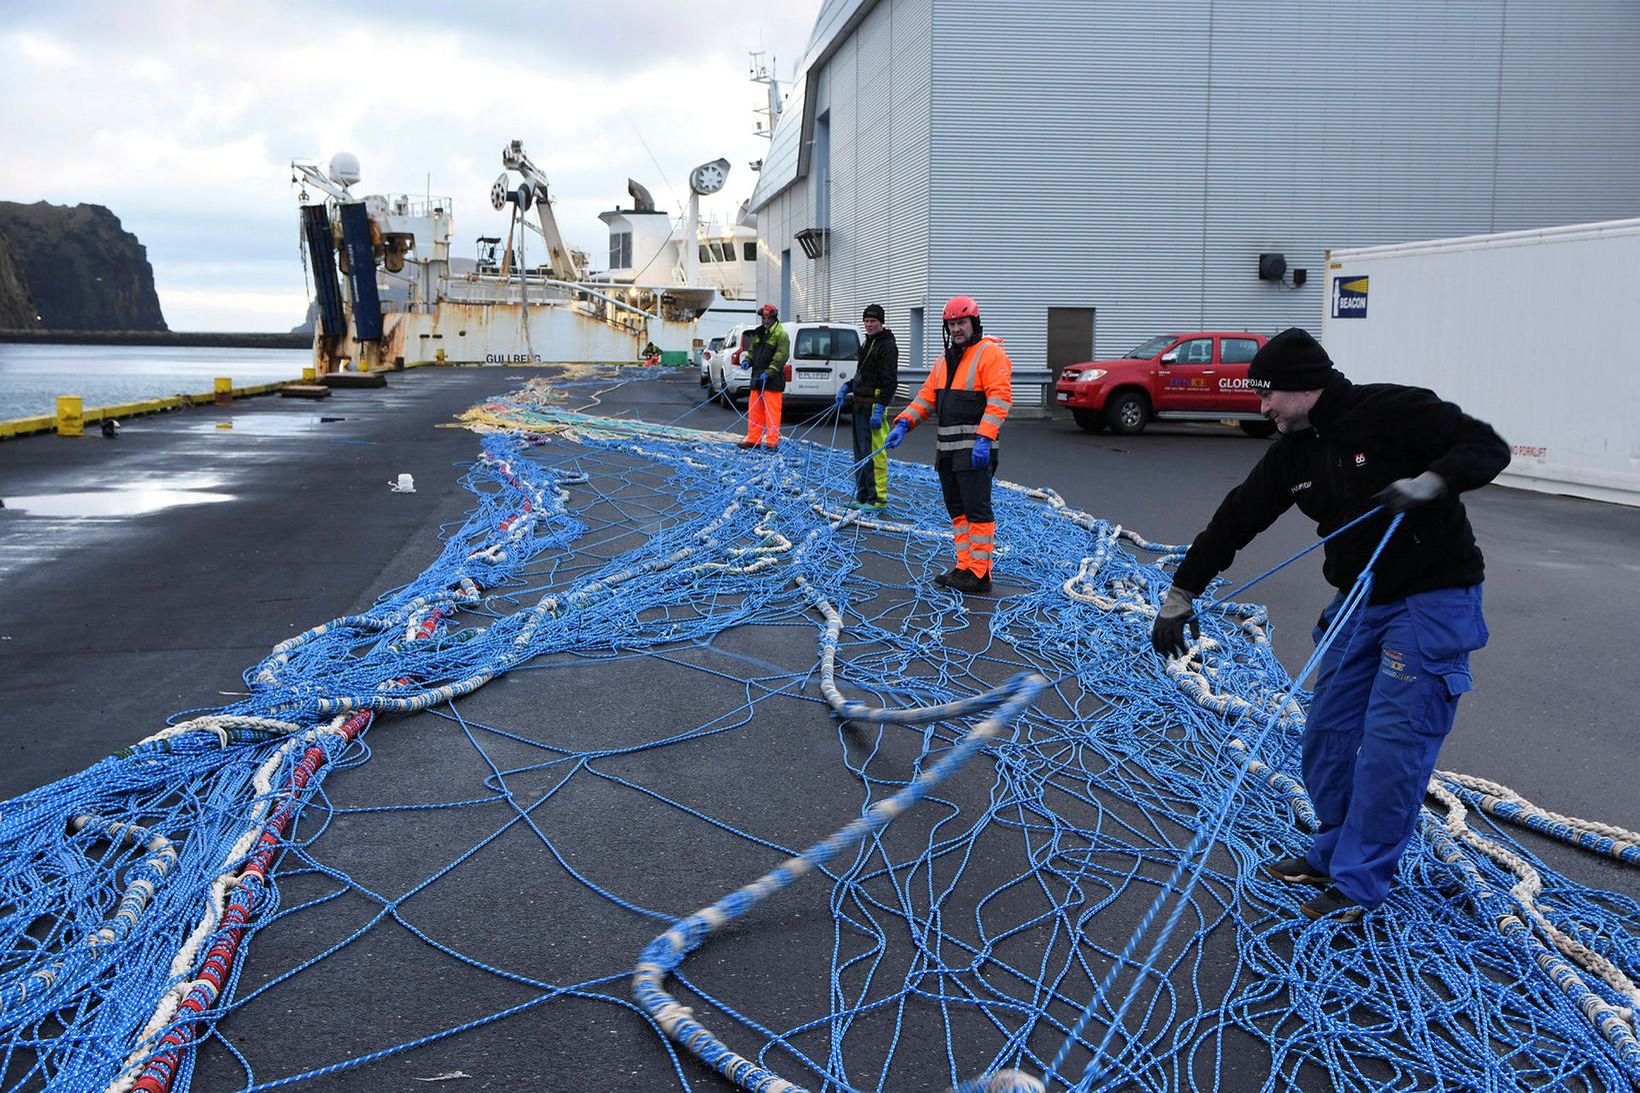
(1199, 376)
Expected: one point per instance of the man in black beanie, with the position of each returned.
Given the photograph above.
(876, 375)
(1387, 689)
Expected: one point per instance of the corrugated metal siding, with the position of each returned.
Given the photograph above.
(1068, 163)
(781, 165)
(1569, 112)
(1137, 158)
(875, 85)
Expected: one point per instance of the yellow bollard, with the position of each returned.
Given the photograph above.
(224, 390)
(70, 419)
(440, 356)
(309, 375)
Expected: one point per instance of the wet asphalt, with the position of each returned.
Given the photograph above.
(109, 623)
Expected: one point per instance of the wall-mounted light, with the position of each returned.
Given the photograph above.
(1272, 267)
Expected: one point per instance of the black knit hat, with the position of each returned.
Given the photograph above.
(1290, 361)
(873, 311)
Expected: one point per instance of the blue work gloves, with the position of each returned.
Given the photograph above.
(895, 435)
(842, 396)
(876, 416)
(1167, 635)
(759, 380)
(1412, 493)
(982, 454)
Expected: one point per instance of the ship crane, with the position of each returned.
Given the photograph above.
(534, 191)
(344, 172)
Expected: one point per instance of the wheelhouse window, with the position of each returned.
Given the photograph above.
(748, 251)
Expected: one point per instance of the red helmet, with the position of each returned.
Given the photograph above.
(959, 307)
(769, 311)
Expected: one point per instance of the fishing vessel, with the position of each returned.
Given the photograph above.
(388, 289)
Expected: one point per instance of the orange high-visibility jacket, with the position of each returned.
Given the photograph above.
(973, 403)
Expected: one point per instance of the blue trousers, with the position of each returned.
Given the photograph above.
(1385, 696)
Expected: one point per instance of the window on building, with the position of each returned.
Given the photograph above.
(748, 251)
(1237, 350)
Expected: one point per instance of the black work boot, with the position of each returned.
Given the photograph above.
(1296, 871)
(1335, 904)
(964, 581)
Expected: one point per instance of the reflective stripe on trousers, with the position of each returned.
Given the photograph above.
(763, 417)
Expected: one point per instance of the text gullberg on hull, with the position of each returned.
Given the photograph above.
(401, 298)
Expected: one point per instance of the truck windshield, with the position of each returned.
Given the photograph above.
(1152, 347)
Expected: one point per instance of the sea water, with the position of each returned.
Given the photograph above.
(32, 376)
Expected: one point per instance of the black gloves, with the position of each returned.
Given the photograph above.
(1167, 635)
(1405, 494)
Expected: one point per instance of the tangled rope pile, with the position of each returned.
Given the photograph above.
(967, 939)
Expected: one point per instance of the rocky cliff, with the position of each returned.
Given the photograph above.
(16, 306)
(81, 269)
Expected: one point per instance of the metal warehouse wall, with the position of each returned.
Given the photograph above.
(875, 87)
(1137, 158)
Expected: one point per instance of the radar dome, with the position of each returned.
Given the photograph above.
(344, 168)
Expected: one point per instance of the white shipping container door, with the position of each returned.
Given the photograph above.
(1536, 332)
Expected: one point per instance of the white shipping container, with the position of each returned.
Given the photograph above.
(1536, 332)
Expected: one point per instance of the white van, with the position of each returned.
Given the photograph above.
(728, 373)
(823, 357)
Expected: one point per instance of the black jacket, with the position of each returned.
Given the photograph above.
(1361, 439)
(878, 373)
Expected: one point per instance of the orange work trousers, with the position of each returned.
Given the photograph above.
(763, 417)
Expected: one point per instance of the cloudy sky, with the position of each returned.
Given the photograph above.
(183, 116)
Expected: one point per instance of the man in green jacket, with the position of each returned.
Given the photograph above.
(769, 351)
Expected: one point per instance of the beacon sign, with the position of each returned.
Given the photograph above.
(1349, 298)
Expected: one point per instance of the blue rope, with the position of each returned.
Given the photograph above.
(965, 939)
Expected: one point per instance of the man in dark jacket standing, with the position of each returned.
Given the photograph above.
(769, 351)
(1387, 689)
(876, 376)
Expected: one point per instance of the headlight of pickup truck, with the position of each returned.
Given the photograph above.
(1090, 375)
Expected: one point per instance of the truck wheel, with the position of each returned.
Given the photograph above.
(1258, 429)
(1090, 421)
(1128, 413)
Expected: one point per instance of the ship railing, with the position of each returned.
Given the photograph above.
(410, 205)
